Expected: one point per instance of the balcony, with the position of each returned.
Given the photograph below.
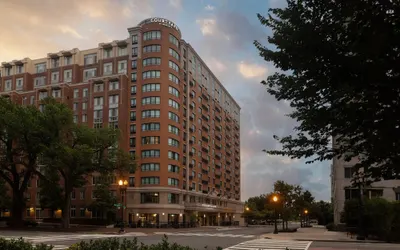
(205, 149)
(205, 128)
(205, 96)
(228, 152)
(218, 118)
(205, 159)
(205, 107)
(204, 138)
(217, 165)
(218, 145)
(218, 156)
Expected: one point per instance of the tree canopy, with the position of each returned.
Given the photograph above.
(338, 68)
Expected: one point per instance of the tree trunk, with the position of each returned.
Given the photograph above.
(66, 211)
(287, 227)
(18, 207)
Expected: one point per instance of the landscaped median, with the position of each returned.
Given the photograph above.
(103, 244)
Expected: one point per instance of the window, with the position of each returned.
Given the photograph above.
(132, 128)
(68, 75)
(113, 114)
(151, 113)
(90, 59)
(173, 182)
(107, 53)
(149, 197)
(113, 86)
(133, 90)
(99, 101)
(151, 35)
(151, 74)
(173, 66)
(150, 140)
(150, 180)
(107, 69)
(89, 73)
(55, 62)
(172, 129)
(173, 198)
(133, 102)
(173, 155)
(153, 153)
(82, 212)
(67, 60)
(134, 39)
(85, 92)
(39, 81)
(20, 84)
(56, 93)
(173, 40)
(348, 172)
(73, 211)
(134, 77)
(122, 51)
(132, 115)
(81, 195)
(173, 142)
(20, 69)
(174, 54)
(84, 118)
(151, 48)
(134, 51)
(55, 77)
(147, 167)
(173, 169)
(150, 100)
(351, 193)
(32, 100)
(42, 95)
(397, 196)
(151, 127)
(173, 104)
(40, 67)
(151, 87)
(8, 85)
(131, 181)
(151, 61)
(122, 66)
(99, 87)
(132, 142)
(173, 91)
(173, 78)
(173, 116)
(134, 64)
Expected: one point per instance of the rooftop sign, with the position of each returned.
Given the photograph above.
(161, 21)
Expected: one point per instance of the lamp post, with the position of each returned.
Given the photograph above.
(247, 217)
(275, 199)
(305, 218)
(122, 186)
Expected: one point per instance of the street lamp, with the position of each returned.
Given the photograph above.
(275, 199)
(305, 218)
(247, 217)
(122, 186)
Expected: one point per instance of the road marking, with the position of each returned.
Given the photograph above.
(222, 235)
(271, 244)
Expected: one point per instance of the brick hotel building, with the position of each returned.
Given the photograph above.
(174, 115)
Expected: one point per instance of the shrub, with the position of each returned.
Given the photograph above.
(330, 227)
(20, 244)
(101, 244)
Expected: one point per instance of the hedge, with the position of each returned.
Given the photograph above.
(80, 221)
(102, 244)
(381, 220)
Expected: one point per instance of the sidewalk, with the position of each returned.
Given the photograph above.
(315, 234)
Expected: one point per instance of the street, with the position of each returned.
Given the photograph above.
(210, 238)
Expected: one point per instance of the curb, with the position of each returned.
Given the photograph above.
(339, 241)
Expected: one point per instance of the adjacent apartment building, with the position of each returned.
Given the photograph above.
(174, 115)
(342, 190)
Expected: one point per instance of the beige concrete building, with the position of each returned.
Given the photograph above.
(173, 114)
(342, 190)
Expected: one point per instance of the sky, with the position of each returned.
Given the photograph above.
(221, 31)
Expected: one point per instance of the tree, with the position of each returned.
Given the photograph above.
(23, 135)
(5, 199)
(338, 62)
(105, 200)
(77, 151)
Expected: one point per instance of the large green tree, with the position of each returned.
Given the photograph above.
(338, 68)
(76, 153)
(23, 135)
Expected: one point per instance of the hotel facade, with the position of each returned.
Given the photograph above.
(174, 115)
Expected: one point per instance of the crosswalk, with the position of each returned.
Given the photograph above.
(271, 244)
(223, 235)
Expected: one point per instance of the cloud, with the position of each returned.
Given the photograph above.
(207, 26)
(176, 3)
(251, 70)
(209, 7)
(68, 30)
